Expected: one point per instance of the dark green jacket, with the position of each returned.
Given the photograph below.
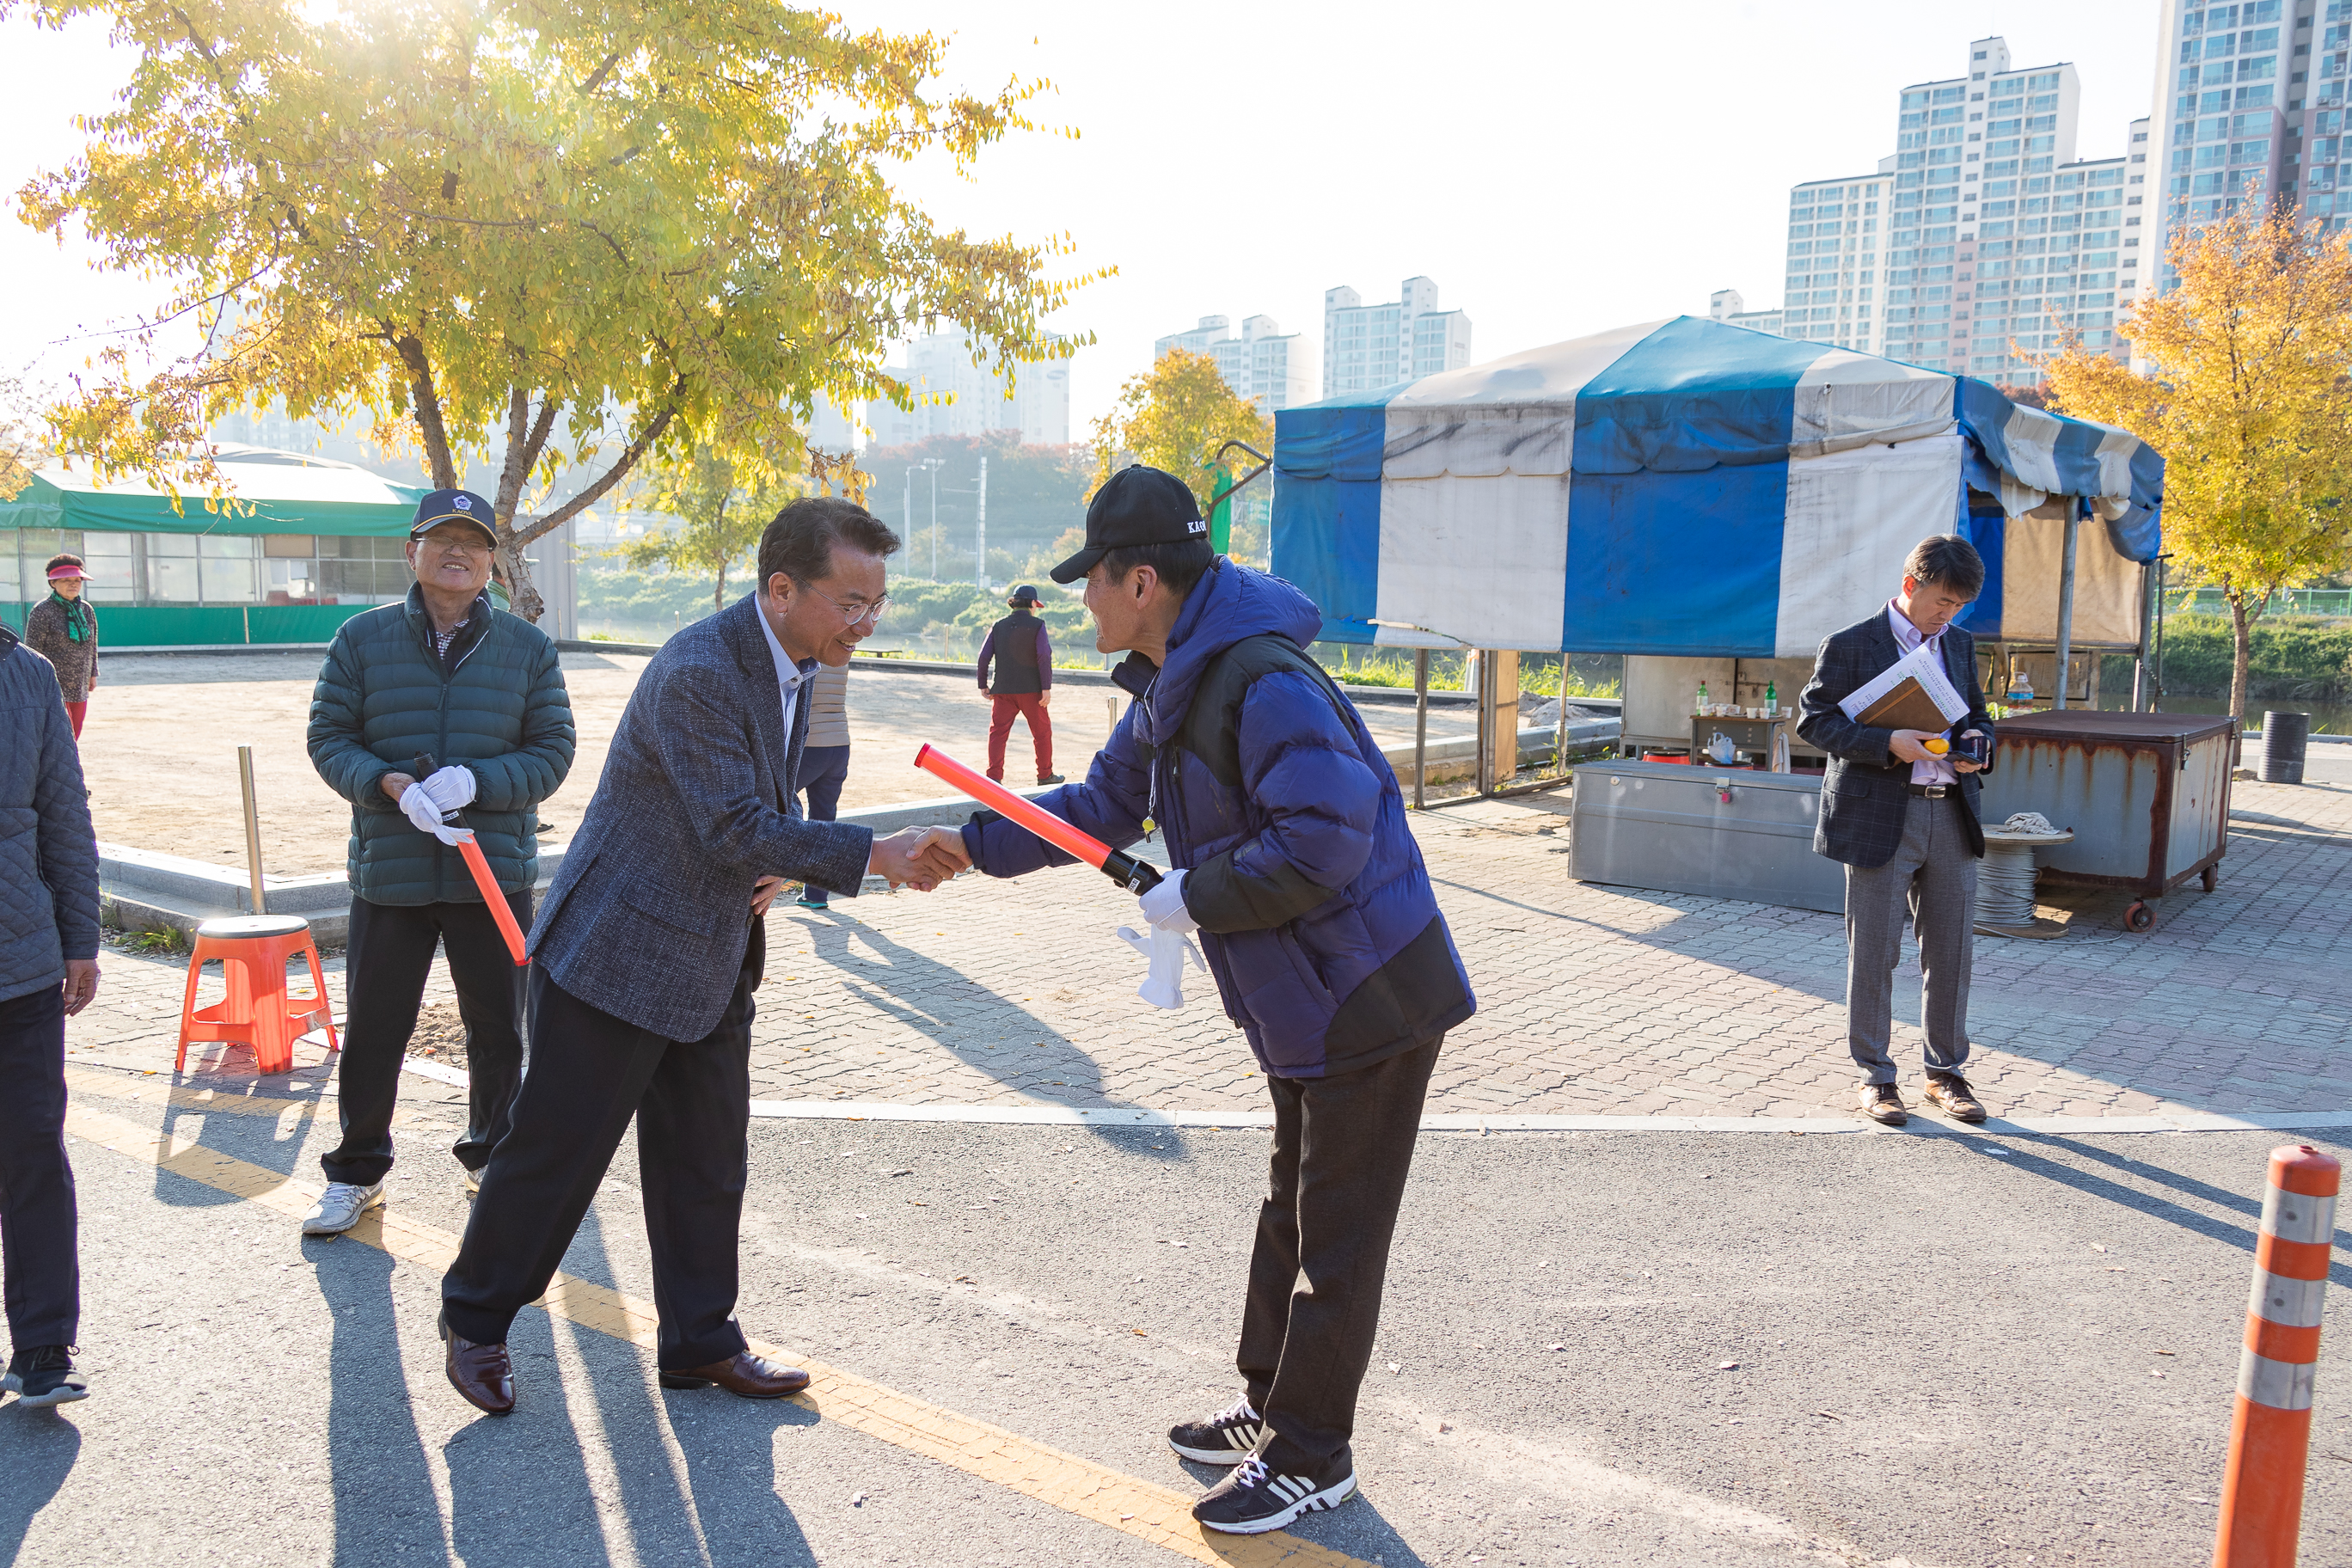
(499, 709)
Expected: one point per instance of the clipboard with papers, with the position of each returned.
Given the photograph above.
(1912, 693)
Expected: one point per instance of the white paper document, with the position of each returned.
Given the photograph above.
(1923, 664)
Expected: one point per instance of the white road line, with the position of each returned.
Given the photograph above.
(1126, 1116)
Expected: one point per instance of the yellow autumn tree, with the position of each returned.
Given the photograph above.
(2248, 395)
(1174, 416)
(587, 235)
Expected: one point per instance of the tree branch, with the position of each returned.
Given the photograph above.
(596, 78)
(596, 493)
(428, 400)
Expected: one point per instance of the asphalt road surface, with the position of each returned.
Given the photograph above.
(1931, 1347)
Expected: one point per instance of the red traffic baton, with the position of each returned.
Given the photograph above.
(2270, 1423)
(479, 865)
(501, 911)
(1137, 877)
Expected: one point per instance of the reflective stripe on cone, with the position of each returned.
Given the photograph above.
(2270, 1426)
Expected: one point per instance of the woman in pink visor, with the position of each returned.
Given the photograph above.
(63, 629)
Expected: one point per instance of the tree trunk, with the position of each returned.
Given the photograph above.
(526, 601)
(718, 594)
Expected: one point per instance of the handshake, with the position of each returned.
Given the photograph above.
(919, 857)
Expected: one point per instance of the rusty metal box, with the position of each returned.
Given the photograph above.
(2145, 794)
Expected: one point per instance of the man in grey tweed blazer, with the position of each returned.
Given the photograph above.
(1902, 818)
(646, 951)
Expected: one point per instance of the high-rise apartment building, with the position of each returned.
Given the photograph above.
(1983, 239)
(2249, 104)
(958, 392)
(1727, 305)
(1272, 368)
(1369, 346)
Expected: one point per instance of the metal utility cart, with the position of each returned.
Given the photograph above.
(2147, 797)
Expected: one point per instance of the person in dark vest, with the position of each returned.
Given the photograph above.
(1023, 657)
(824, 759)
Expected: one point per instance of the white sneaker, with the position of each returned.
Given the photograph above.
(340, 1206)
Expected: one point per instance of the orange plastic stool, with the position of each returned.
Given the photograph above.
(254, 951)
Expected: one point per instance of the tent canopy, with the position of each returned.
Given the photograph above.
(1689, 486)
(275, 492)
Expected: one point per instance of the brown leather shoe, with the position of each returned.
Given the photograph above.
(1883, 1104)
(481, 1373)
(1949, 1093)
(746, 1376)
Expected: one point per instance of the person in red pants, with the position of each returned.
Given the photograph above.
(1023, 657)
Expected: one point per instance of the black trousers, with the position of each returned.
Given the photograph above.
(37, 1186)
(590, 1073)
(389, 959)
(1342, 1147)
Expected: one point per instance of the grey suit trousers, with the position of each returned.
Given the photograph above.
(1931, 878)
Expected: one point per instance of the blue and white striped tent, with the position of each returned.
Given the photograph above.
(1692, 488)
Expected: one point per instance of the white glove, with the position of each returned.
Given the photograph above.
(1163, 906)
(417, 805)
(453, 788)
(1167, 951)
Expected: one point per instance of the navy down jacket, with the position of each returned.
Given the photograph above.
(1316, 912)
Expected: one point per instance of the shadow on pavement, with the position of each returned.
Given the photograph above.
(916, 975)
(2026, 1152)
(255, 1139)
(42, 1447)
(519, 1488)
(383, 1487)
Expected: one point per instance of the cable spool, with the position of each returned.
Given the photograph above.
(2005, 880)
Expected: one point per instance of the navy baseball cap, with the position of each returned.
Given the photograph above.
(1025, 594)
(1136, 506)
(452, 506)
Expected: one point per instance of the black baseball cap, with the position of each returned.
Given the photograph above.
(452, 506)
(1136, 506)
(1025, 594)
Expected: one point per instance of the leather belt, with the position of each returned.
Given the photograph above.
(1934, 792)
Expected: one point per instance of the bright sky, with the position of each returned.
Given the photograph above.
(1557, 169)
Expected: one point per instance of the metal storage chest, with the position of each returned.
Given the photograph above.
(1729, 833)
(2146, 794)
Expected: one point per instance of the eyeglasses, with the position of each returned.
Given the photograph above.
(855, 610)
(460, 544)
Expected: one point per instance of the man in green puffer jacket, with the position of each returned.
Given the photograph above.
(481, 692)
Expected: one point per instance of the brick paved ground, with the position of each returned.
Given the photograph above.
(1593, 1000)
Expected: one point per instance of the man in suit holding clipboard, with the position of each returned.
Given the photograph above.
(1899, 810)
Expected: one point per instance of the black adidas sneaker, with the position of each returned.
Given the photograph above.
(1252, 1499)
(1226, 1438)
(44, 1375)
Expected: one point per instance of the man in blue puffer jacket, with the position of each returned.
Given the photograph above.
(1296, 868)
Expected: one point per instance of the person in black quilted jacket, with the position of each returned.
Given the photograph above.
(49, 971)
(480, 692)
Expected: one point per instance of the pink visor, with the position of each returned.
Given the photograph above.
(63, 572)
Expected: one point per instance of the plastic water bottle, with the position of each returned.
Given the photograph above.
(1700, 706)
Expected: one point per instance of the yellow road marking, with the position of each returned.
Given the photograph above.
(1076, 1485)
(159, 1090)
